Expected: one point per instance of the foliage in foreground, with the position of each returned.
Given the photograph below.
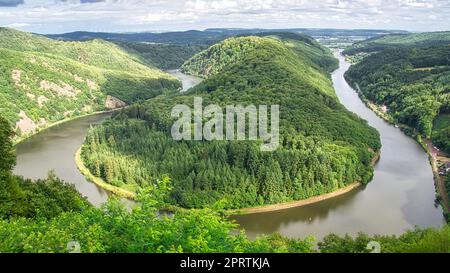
(45, 215)
(8, 158)
(54, 214)
(44, 198)
(114, 228)
(414, 241)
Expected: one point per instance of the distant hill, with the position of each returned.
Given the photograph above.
(306, 47)
(210, 36)
(323, 146)
(220, 55)
(173, 55)
(162, 56)
(43, 81)
(179, 37)
(399, 40)
(169, 50)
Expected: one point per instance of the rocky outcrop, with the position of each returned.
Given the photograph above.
(91, 84)
(25, 124)
(16, 75)
(41, 100)
(114, 103)
(64, 90)
(31, 96)
(78, 78)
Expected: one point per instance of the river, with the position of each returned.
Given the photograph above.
(187, 80)
(54, 149)
(400, 196)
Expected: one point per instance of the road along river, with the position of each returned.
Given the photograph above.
(400, 196)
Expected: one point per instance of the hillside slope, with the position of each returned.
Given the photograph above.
(162, 56)
(323, 146)
(413, 83)
(43, 81)
(307, 48)
(231, 51)
(378, 44)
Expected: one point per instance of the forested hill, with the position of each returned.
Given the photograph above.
(163, 56)
(377, 44)
(210, 61)
(306, 48)
(414, 84)
(323, 146)
(43, 81)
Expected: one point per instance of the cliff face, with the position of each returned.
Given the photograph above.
(113, 103)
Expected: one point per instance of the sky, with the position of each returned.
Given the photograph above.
(60, 16)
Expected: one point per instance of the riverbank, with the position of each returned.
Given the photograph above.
(299, 203)
(427, 145)
(100, 182)
(303, 202)
(59, 122)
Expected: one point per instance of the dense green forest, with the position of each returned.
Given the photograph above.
(162, 56)
(323, 146)
(44, 216)
(381, 43)
(213, 60)
(441, 133)
(307, 46)
(43, 81)
(414, 84)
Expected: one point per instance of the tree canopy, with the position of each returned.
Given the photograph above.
(413, 83)
(323, 146)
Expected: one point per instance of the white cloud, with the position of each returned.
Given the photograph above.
(418, 3)
(165, 16)
(17, 25)
(49, 16)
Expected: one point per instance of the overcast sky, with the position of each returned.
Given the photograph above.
(58, 16)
